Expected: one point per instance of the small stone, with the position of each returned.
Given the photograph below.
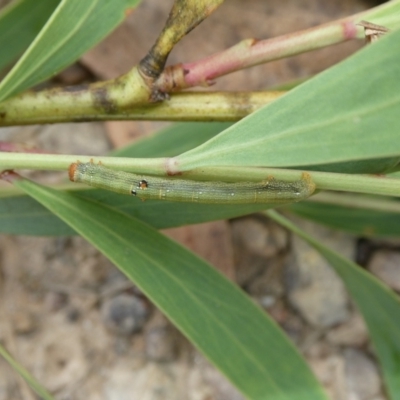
(385, 264)
(329, 371)
(292, 324)
(55, 301)
(124, 314)
(260, 237)
(362, 377)
(352, 333)
(314, 288)
(267, 301)
(161, 339)
(160, 344)
(23, 322)
(314, 347)
(150, 382)
(72, 314)
(268, 282)
(258, 244)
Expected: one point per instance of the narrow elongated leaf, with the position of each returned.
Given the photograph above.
(212, 312)
(335, 117)
(379, 306)
(22, 215)
(20, 22)
(74, 28)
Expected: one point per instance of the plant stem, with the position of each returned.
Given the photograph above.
(61, 162)
(357, 201)
(251, 52)
(167, 166)
(184, 16)
(62, 105)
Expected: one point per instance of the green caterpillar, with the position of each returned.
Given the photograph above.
(267, 191)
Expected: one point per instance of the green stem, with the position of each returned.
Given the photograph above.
(73, 105)
(357, 201)
(168, 166)
(61, 162)
(185, 15)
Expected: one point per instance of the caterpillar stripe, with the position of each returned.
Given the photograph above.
(267, 191)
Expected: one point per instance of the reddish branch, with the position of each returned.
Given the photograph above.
(250, 52)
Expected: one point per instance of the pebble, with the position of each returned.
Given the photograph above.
(385, 264)
(151, 381)
(352, 333)
(124, 314)
(23, 322)
(257, 243)
(259, 236)
(314, 288)
(160, 344)
(361, 376)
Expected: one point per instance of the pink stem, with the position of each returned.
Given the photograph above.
(250, 52)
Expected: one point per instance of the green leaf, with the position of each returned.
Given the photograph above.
(36, 386)
(379, 306)
(386, 15)
(20, 22)
(365, 217)
(333, 118)
(74, 28)
(216, 316)
(22, 215)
